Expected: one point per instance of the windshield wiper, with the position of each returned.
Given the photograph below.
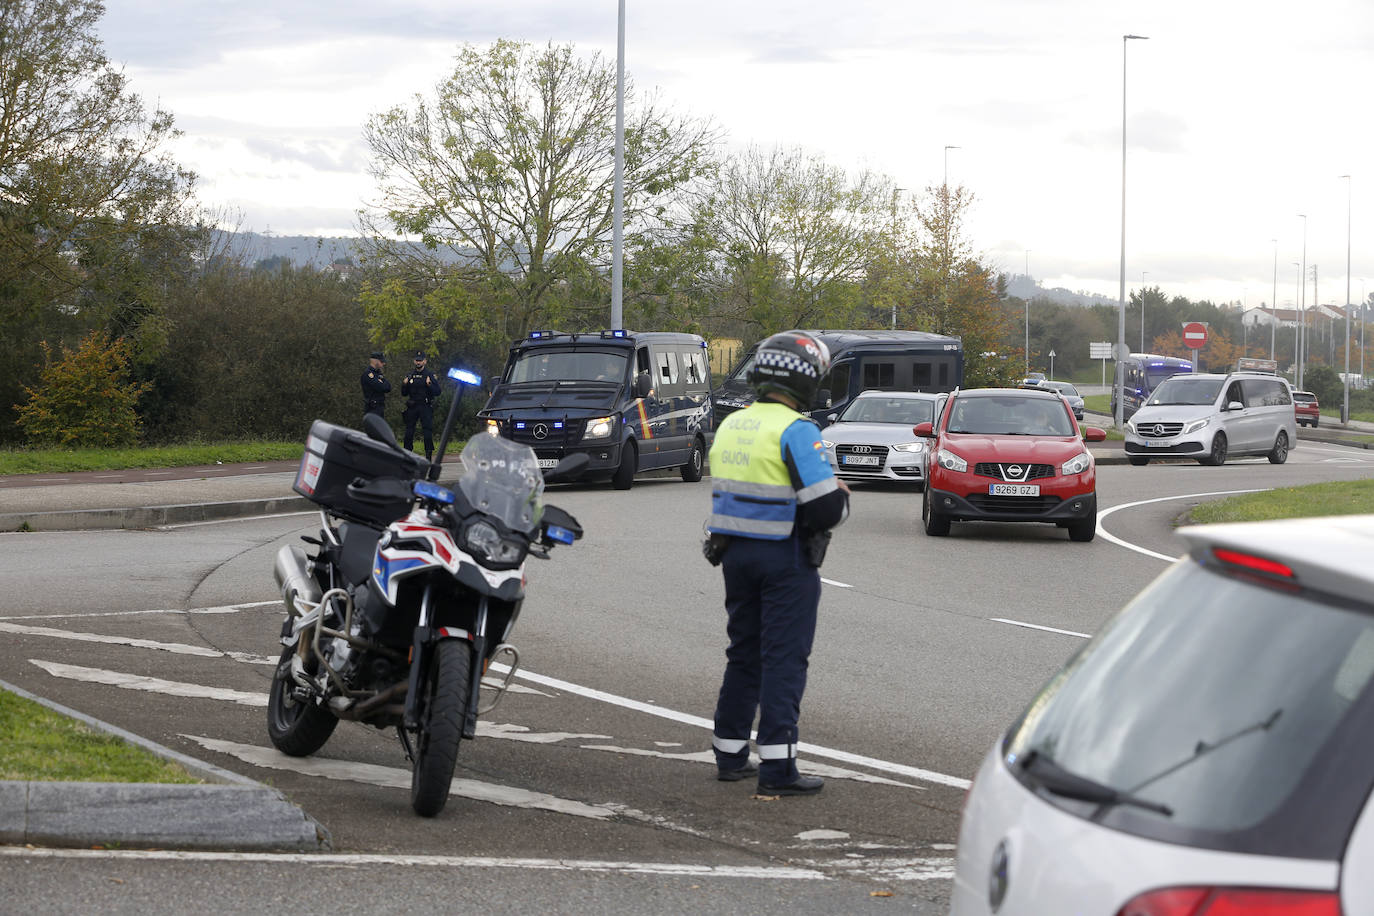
(1052, 777)
(1203, 748)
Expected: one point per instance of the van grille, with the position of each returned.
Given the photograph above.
(1159, 430)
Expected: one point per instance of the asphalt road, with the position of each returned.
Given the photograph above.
(592, 789)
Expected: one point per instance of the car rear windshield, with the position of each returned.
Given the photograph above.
(1302, 397)
(1242, 707)
(1179, 390)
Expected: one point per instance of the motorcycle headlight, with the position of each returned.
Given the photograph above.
(950, 461)
(1076, 465)
(914, 447)
(488, 547)
(600, 428)
(1196, 425)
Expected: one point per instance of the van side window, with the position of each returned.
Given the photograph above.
(694, 367)
(1233, 393)
(879, 375)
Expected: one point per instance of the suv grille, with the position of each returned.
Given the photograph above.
(862, 451)
(1027, 505)
(999, 470)
(1159, 430)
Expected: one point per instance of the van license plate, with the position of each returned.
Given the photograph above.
(1013, 489)
(546, 463)
(1158, 443)
(871, 460)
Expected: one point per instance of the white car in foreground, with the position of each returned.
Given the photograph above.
(1209, 752)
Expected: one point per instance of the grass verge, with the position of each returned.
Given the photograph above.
(49, 461)
(1332, 498)
(40, 745)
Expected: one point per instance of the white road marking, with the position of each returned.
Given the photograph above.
(872, 763)
(397, 778)
(1101, 516)
(335, 860)
(804, 765)
(176, 648)
(1036, 626)
(893, 869)
(834, 583)
(150, 684)
(222, 609)
(810, 836)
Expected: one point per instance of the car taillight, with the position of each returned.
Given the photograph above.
(1252, 562)
(1233, 901)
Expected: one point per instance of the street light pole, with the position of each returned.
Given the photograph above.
(1302, 303)
(1142, 310)
(1028, 299)
(618, 194)
(1121, 298)
(1345, 404)
(1296, 338)
(896, 196)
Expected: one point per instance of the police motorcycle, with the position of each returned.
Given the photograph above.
(409, 594)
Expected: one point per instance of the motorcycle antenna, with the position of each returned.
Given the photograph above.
(463, 378)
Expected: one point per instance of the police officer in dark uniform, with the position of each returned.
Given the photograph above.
(420, 388)
(375, 385)
(774, 500)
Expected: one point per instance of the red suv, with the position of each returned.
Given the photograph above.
(1010, 455)
(1306, 409)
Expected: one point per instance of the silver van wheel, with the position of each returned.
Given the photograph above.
(1279, 454)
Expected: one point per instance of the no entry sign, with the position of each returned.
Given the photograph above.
(1194, 335)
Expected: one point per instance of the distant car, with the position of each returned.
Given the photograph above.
(1306, 409)
(872, 438)
(1010, 455)
(1070, 394)
(1033, 378)
(1210, 751)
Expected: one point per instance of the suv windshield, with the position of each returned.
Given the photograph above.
(1179, 390)
(546, 364)
(906, 411)
(1221, 702)
(1010, 415)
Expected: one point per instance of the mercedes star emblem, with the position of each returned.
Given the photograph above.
(541, 431)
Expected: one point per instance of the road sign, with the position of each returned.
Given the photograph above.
(1195, 334)
(1100, 349)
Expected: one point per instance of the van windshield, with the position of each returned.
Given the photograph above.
(1180, 390)
(545, 364)
(1157, 375)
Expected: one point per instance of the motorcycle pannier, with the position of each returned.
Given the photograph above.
(335, 456)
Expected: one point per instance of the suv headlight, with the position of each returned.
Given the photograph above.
(950, 461)
(915, 447)
(1076, 465)
(600, 428)
(1196, 425)
(489, 548)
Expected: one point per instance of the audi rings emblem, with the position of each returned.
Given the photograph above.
(861, 449)
(541, 431)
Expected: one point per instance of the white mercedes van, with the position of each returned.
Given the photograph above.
(1211, 417)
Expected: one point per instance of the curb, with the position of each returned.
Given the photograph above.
(230, 812)
(150, 516)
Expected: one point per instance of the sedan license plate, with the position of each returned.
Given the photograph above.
(871, 460)
(1013, 489)
(546, 463)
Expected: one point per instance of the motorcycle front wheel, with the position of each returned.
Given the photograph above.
(445, 704)
(296, 728)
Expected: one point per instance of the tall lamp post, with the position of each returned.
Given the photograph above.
(1028, 299)
(896, 196)
(618, 193)
(1302, 303)
(1297, 339)
(1345, 403)
(1142, 310)
(1121, 350)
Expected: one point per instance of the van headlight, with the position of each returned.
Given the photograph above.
(600, 428)
(1076, 465)
(950, 461)
(1196, 425)
(913, 447)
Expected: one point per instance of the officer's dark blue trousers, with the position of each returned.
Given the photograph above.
(771, 596)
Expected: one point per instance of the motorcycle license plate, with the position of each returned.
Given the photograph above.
(547, 463)
(1013, 489)
(871, 460)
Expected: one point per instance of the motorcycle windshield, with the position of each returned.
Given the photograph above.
(502, 479)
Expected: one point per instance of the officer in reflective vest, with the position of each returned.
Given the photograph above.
(774, 500)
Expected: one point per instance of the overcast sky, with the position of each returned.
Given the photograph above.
(1241, 113)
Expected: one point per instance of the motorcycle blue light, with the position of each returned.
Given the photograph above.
(559, 534)
(464, 376)
(433, 491)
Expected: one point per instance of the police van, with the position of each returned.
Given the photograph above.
(632, 401)
(861, 361)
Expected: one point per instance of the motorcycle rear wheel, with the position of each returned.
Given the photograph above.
(445, 696)
(297, 729)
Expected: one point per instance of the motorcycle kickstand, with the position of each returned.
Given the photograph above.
(405, 743)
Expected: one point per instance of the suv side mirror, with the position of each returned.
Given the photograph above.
(924, 430)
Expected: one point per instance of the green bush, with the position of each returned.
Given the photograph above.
(85, 399)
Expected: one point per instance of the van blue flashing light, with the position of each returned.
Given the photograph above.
(433, 491)
(520, 424)
(559, 534)
(619, 332)
(557, 424)
(537, 335)
(464, 376)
